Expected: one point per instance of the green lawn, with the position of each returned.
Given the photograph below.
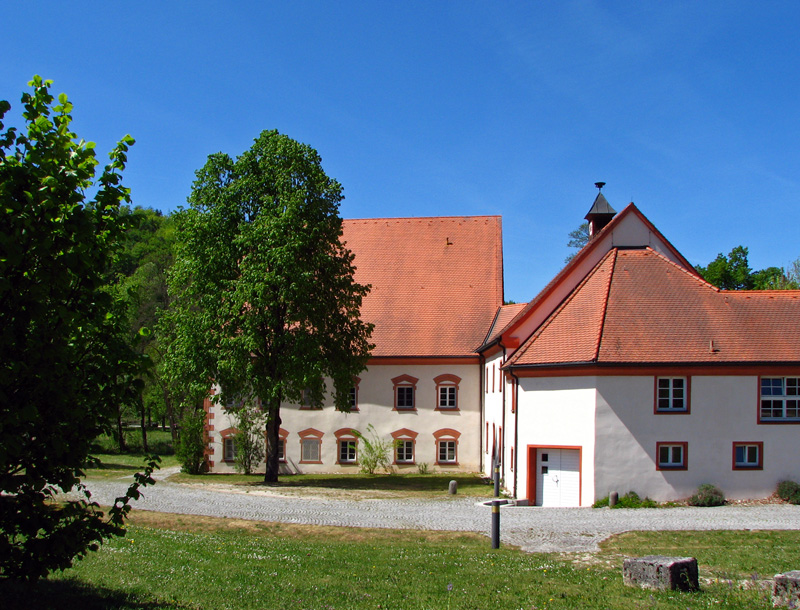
(175, 561)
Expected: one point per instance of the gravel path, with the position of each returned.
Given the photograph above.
(533, 529)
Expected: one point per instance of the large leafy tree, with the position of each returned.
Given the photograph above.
(733, 272)
(66, 363)
(266, 302)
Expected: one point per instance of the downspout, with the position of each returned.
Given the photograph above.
(515, 400)
(503, 416)
(483, 410)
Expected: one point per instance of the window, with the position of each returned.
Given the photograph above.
(447, 446)
(310, 446)
(354, 394)
(671, 456)
(347, 446)
(228, 449)
(404, 391)
(404, 445)
(404, 452)
(748, 456)
(447, 391)
(307, 400)
(347, 452)
(447, 452)
(780, 399)
(672, 395)
(282, 434)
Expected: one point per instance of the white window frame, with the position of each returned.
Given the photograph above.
(448, 445)
(667, 394)
(404, 451)
(228, 449)
(348, 451)
(405, 397)
(748, 456)
(782, 397)
(672, 456)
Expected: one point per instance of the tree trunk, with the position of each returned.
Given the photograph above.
(120, 432)
(144, 427)
(273, 435)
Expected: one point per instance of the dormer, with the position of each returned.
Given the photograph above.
(601, 213)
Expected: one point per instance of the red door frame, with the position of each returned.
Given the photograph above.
(532, 449)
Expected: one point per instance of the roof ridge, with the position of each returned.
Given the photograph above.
(427, 217)
(605, 305)
(561, 306)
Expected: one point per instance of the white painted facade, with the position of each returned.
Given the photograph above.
(426, 425)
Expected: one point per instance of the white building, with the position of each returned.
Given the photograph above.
(627, 372)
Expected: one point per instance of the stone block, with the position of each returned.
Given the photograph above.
(786, 589)
(663, 573)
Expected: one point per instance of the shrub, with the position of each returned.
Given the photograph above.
(249, 441)
(629, 500)
(423, 468)
(707, 495)
(375, 452)
(789, 491)
(191, 448)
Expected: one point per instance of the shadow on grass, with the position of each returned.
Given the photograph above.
(71, 594)
(387, 482)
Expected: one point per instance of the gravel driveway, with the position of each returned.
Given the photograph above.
(533, 529)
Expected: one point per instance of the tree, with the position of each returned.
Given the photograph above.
(578, 239)
(266, 304)
(65, 365)
(730, 272)
(733, 272)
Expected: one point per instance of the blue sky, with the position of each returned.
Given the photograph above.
(689, 109)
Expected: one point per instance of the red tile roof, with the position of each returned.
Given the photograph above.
(436, 282)
(637, 307)
(504, 315)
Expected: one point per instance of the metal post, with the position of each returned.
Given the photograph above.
(495, 524)
(496, 478)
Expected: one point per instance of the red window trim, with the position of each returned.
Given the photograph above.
(405, 381)
(306, 434)
(446, 380)
(759, 444)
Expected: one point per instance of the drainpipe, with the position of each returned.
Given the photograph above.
(515, 399)
(503, 415)
(483, 410)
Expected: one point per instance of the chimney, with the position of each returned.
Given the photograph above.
(601, 213)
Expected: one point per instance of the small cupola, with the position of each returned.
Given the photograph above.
(601, 213)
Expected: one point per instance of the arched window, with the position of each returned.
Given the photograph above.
(405, 442)
(310, 446)
(405, 389)
(346, 446)
(447, 392)
(447, 446)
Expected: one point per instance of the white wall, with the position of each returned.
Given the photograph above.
(376, 407)
(723, 410)
(557, 412)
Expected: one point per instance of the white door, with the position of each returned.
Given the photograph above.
(557, 477)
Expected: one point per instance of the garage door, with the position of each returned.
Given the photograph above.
(557, 477)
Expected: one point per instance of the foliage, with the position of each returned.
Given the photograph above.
(424, 468)
(191, 445)
(265, 300)
(707, 495)
(578, 239)
(733, 272)
(789, 491)
(629, 500)
(66, 364)
(375, 452)
(249, 439)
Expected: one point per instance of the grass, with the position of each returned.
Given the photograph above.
(113, 464)
(158, 441)
(175, 561)
(407, 485)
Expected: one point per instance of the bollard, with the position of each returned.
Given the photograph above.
(496, 478)
(452, 489)
(496, 524)
(612, 499)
